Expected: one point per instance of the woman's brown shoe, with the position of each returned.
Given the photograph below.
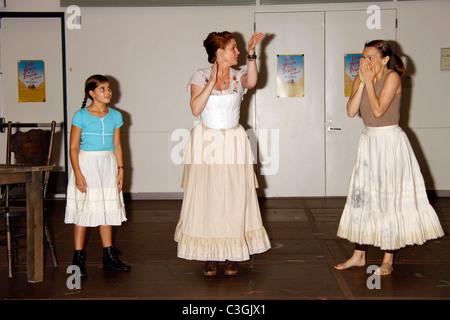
(210, 268)
(231, 268)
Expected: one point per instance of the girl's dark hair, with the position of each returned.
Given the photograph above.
(214, 41)
(385, 50)
(91, 83)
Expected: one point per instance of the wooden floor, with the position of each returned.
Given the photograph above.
(299, 265)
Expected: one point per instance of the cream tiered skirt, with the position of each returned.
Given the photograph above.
(102, 204)
(220, 217)
(387, 204)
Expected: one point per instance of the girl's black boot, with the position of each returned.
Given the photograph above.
(111, 261)
(78, 260)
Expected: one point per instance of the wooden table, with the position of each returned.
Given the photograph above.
(32, 177)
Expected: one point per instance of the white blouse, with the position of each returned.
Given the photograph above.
(223, 107)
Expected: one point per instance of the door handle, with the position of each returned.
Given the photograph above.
(330, 122)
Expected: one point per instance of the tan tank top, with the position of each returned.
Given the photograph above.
(392, 115)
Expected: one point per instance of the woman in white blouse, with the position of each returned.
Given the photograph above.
(220, 218)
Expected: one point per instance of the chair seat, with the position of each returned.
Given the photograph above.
(13, 211)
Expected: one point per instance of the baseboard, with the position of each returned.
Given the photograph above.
(179, 195)
(154, 196)
(438, 193)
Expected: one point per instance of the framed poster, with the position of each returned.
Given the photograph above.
(290, 76)
(31, 80)
(445, 59)
(351, 69)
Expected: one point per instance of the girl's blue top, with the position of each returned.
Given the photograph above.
(97, 134)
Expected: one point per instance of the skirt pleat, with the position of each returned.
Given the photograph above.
(387, 204)
(102, 204)
(220, 217)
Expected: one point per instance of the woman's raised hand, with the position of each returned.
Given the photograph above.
(254, 40)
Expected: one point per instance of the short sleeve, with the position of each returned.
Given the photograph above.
(77, 119)
(239, 73)
(119, 120)
(199, 77)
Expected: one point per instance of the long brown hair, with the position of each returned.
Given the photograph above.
(91, 83)
(386, 51)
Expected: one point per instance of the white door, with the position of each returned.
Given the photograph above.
(317, 140)
(346, 33)
(294, 125)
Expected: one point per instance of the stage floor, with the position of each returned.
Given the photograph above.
(299, 265)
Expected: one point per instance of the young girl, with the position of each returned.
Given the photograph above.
(94, 191)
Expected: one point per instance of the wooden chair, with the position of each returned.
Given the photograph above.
(33, 147)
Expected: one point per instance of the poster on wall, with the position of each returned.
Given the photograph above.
(31, 80)
(290, 76)
(445, 59)
(351, 69)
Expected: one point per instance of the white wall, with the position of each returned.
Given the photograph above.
(424, 28)
(150, 54)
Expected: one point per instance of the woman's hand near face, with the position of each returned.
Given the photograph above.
(367, 72)
(200, 95)
(361, 62)
(214, 68)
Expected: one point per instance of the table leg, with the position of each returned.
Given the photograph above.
(35, 230)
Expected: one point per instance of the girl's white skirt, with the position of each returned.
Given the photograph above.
(387, 204)
(102, 204)
(220, 217)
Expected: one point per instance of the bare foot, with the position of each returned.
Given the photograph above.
(384, 270)
(357, 260)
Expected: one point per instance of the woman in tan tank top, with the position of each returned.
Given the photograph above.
(387, 205)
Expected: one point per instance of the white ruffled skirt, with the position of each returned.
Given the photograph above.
(387, 204)
(102, 204)
(220, 217)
